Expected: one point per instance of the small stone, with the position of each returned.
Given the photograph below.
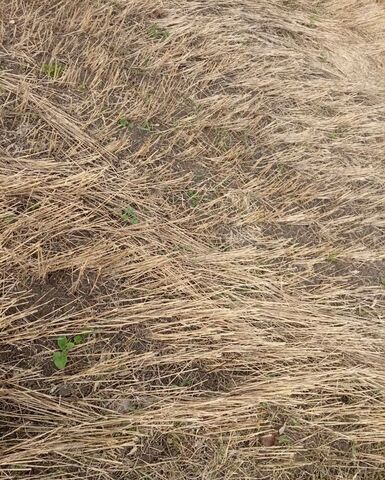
(269, 440)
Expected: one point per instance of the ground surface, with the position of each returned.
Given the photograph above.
(196, 187)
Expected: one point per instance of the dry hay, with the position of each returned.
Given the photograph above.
(237, 328)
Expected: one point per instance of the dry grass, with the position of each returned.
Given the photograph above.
(246, 306)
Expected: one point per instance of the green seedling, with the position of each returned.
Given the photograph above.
(81, 338)
(323, 58)
(186, 382)
(312, 20)
(60, 358)
(366, 312)
(225, 144)
(294, 422)
(53, 69)
(130, 216)
(8, 219)
(158, 33)
(283, 440)
(186, 248)
(125, 123)
(33, 206)
(146, 127)
(193, 198)
(332, 257)
(382, 281)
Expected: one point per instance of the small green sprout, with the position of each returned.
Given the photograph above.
(193, 197)
(60, 358)
(8, 219)
(53, 69)
(80, 338)
(125, 123)
(332, 257)
(281, 167)
(312, 20)
(146, 127)
(283, 440)
(33, 206)
(158, 33)
(129, 215)
(186, 382)
(323, 58)
(382, 281)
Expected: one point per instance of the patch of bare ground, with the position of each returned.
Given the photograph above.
(197, 190)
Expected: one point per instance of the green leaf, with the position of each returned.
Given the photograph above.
(78, 339)
(70, 345)
(33, 206)
(157, 32)
(193, 197)
(60, 360)
(129, 215)
(8, 219)
(62, 342)
(53, 69)
(145, 127)
(283, 440)
(125, 123)
(312, 20)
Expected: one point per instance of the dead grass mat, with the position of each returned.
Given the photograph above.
(197, 188)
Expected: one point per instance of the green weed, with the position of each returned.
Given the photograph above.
(33, 206)
(323, 58)
(193, 197)
(312, 20)
(80, 338)
(60, 358)
(129, 215)
(332, 257)
(282, 168)
(125, 123)
(283, 440)
(157, 32)
(186, 248)
(146, 127)
(8, 219)
(186, 382)
(53, 69)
